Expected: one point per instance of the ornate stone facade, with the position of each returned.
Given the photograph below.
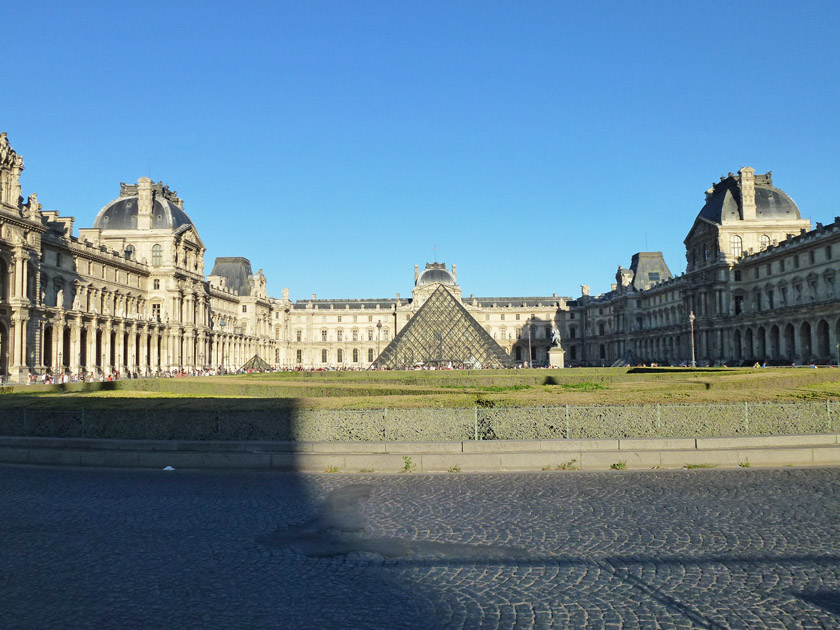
(129, 295)
(760, 285)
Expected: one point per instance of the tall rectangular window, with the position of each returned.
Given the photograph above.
(323, 356)
(299, 356)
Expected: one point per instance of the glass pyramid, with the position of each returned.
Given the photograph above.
(442, 332)
(256, 363)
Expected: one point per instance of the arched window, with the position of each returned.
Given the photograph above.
(737, 245)
(129, 252)
(355, 355)
(157, 255)
(765, 241)
(370, 355)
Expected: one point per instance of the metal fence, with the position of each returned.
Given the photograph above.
(474, 423)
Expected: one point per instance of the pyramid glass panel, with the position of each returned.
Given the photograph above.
(443, 333)
(256, 363)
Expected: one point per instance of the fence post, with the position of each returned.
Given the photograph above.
(658, 419)
(385, 424)
(567, 422)
(828, 412)
(746, 417)
(475, 421)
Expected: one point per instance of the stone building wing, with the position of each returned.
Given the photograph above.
(440, 333)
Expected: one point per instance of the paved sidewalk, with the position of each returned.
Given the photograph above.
(99, 548)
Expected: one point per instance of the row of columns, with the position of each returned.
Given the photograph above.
(803, 341)
(105, 345)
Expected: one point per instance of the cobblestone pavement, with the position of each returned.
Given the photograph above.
(665, 549)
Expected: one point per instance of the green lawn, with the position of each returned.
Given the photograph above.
(326, 390)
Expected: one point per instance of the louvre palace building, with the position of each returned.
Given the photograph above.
(129, 296)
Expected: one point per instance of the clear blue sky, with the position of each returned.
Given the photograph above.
(537, 145)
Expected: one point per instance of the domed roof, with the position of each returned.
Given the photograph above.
(435, 272)
(122, 215)
(723, 201)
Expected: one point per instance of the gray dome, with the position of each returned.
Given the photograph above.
(772, 203)
(435, 272)
(122, 215)
(723, 201)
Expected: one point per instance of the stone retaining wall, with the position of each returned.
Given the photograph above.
(401, 425)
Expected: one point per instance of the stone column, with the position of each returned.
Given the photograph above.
(120, 356)
(58, 346)
(91, 346)
(154, 359)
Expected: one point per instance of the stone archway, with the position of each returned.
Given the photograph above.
(64, 357)
(48, 348)
(790, 343)
(5, 281)
(774, 342)
(749, 350)
(4, 352)
(823, 344)
(736, 344)
(761, 344)
(805, 342)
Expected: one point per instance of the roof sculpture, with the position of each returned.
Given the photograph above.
(442, 332)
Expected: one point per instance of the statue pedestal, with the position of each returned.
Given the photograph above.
(556, 357)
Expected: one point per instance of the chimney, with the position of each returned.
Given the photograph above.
(145, 203)
(747, 181)
(455, 273)
(416, 273)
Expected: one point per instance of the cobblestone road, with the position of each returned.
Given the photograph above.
(678, 549)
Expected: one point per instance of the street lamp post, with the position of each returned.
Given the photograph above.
(530, 355)
(378, 337)
(691, 319)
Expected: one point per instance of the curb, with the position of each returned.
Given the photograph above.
(389, 457)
